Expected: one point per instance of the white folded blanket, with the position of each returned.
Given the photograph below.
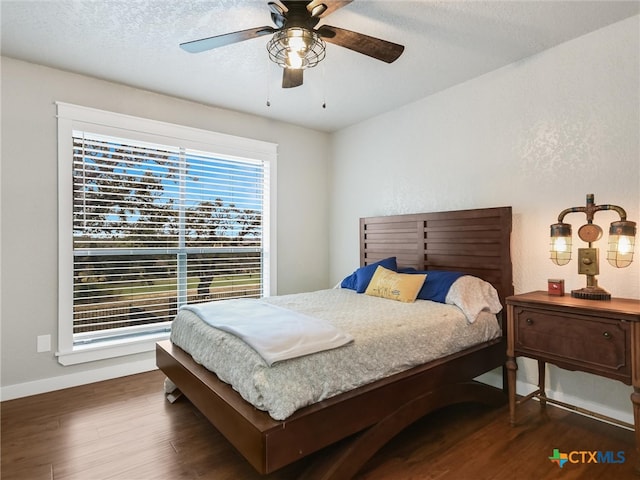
(274, 332)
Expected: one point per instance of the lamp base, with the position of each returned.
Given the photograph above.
(591, 293)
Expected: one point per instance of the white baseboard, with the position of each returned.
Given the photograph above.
(45, 385)
(26, 389)
(523, 388)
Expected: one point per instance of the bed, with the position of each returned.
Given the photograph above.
(475, 242)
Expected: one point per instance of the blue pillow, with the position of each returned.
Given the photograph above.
(349, 282)
(359, 280)
(437, 284)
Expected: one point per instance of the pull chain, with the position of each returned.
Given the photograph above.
(268, 83)
(324, 88)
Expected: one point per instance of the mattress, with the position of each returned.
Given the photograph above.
(389, 337)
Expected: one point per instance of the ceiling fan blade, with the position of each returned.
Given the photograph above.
(361, 43)
(292, 77)
(275, 8)
(197, 46)
(278, 20)
(277, 14)
(328, 9)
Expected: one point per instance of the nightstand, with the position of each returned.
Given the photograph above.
(601, 337)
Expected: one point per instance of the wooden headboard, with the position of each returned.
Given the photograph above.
(476, 242)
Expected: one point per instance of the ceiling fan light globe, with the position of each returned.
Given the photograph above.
(294, 60)
(297, 38)
(296, 48)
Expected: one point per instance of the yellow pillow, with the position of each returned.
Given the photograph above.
(403, 287)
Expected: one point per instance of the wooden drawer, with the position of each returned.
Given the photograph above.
(575, 342)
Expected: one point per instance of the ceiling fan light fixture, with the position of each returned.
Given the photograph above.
(296, 47)
(296, 44)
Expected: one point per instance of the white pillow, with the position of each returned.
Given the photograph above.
(473, 295)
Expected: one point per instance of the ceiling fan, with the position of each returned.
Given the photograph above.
(296, 43)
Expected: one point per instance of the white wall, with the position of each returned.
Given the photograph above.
(538, 135)
(29, 209)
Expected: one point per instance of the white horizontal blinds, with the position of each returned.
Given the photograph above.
(123, 193)
(224, 206)
(223, 202)
(157, 226)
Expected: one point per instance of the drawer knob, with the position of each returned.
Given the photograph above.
(607, 335)
(529, 321)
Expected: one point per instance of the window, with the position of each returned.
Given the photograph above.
(153, 216)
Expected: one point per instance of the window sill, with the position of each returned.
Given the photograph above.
(110, 349)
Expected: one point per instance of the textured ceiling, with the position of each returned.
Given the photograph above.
(136, 42)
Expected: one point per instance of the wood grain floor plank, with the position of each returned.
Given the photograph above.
(124, 429)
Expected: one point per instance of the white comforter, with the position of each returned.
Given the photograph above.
(389, 337)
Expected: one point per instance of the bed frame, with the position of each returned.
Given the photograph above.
(473, 241)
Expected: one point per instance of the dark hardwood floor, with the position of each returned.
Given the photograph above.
(125, 429)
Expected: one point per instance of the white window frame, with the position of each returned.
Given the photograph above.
(74, 117)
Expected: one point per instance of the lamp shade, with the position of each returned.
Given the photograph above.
(560, 248)
(622, 236)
